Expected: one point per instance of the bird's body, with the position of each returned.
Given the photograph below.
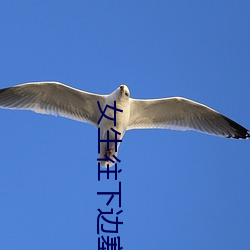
(167, 113)
(121, 119)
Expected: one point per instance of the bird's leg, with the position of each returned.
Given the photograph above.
(108, 153)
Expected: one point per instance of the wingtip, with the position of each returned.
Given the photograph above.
(248, 134)
(244, 135)
(239, 131)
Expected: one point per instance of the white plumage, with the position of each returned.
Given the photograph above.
(168, 113)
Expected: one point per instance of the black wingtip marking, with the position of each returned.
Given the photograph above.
(248, 134)
(239, 131)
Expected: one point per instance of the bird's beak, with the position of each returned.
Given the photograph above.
(122, 88)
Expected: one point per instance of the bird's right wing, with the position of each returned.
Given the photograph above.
(53, 98)
(182, 114)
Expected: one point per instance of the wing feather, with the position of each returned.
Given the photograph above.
(53, 98)
(182, 114)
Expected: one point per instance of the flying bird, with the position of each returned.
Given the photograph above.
(175, 113)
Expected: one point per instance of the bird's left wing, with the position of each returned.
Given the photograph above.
(53, 98)
(182, 114)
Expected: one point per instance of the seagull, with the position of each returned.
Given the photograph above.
(175, 113)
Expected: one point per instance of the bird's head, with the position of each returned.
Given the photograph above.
(121, 94)
(124, 91)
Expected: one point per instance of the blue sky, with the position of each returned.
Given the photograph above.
(180, 190)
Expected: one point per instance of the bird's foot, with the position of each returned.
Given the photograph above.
(109, 153)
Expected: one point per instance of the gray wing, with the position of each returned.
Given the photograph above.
(182, 114)
(53, 98)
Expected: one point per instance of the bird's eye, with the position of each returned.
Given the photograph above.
(126, 93)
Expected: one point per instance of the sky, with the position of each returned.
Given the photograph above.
(180, 190)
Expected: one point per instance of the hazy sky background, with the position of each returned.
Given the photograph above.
(180, 190)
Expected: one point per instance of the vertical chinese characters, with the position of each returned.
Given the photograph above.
(108, 220)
